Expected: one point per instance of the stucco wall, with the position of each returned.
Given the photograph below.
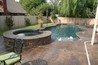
(69, 20)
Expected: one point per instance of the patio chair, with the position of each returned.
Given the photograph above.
(13, 57)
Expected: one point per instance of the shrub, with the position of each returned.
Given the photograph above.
(53, 15)
(9, 22)
(27, 22)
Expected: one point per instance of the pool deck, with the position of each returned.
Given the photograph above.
(60, 53)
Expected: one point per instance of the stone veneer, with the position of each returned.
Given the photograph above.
(28, 41)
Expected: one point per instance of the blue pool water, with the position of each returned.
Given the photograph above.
(64, 32)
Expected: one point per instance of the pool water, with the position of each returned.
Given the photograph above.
(27, 32)
(64, 32)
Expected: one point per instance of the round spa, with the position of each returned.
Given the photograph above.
(31, 38)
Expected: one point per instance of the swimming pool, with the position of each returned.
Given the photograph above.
(64, 32)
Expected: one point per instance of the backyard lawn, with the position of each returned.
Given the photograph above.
(1, 32)
(36, 26)
(33, 26)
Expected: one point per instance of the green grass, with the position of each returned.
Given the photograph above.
(33, 26)
(1, 32)
(36, 26)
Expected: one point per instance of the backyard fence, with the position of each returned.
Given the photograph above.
(81, 21)
(2, 22)
(19, 21)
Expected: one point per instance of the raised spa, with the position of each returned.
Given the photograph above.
(31, 38)
(27, 32)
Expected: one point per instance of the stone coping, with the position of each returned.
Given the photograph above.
(10, 34)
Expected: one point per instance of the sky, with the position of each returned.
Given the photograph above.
(17, 0)
(48, 0)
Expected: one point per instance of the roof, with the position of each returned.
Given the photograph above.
(14, 7)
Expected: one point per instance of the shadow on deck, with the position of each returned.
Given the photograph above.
(36, 62)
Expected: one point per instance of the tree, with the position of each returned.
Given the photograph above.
(77, 8)
(55, 2)
(44, 7)
(27, 22)
(9, 22)
(26, 4)
(30, 4)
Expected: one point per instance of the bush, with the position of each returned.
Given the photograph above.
(53, 15)
(27, 22)
(9, 22)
